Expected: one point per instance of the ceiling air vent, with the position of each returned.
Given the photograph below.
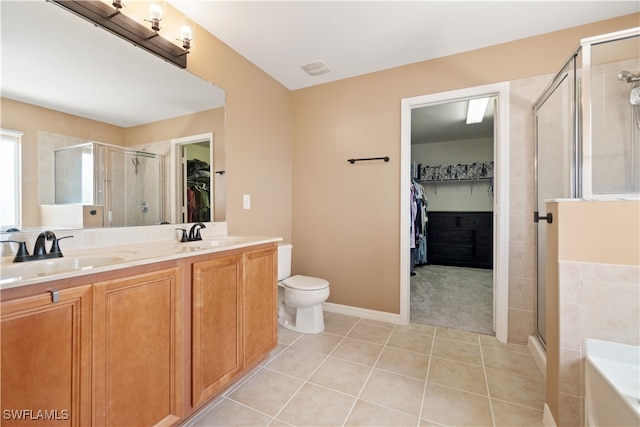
(315, 68)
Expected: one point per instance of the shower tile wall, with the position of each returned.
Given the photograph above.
(598, 301)
(522, 247)
(612, 128)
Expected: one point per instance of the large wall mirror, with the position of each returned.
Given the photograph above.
(91, 105)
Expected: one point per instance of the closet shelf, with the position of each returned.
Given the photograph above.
(435, 181)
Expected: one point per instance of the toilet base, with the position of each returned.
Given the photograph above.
(308, 320)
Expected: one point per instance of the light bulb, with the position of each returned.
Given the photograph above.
(155, 12)
(185, 32)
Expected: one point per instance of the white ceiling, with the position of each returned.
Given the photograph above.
(359, 37)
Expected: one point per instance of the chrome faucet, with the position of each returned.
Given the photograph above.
(194, 233)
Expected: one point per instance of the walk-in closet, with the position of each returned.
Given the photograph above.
(452, 217)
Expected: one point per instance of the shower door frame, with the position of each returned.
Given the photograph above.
(567, 71)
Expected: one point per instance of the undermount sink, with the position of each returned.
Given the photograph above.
(56, 266)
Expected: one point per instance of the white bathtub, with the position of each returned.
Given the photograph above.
(612, 384)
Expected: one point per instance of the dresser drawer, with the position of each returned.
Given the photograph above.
(441, 219)
(452, 236)
(476, 221)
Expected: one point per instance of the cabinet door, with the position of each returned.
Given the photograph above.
(217, 325)
(46, 359)
(137, 341)
(260, 302)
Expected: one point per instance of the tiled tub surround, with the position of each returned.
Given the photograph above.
(599, 301)
(361, 372)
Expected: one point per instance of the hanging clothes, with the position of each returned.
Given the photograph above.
(418, 224)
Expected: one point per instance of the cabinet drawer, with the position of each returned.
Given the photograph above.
(451, 236)
(476, 221)
(450, 254)
(484, 238)
(440, 219)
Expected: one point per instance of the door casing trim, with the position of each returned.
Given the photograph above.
(500, 204)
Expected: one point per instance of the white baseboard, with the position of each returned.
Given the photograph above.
(381, 316)
(539, 354)
(547, 418)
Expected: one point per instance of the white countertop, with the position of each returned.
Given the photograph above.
(107, 258)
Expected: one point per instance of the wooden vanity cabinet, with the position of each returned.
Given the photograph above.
(216, 306)
(46, 359)
(260, 304)
(234, 318)
(146, 345)
(137, 342)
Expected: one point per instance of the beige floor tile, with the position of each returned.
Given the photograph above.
(525, 391)
(394, 391)
(458, 375)
(404, 362)
(230, 413)
(317, 406)
(515, 363)
(280, 389)
(453, 334)
(296, 362)
(489, 341)
(339, 325)
(377, 323)
(509, 415)
(457, 350)
(287, 336)
(367, 414)
(341, 375)
(320, 343)
(410, 341)
(370, 333)
(417, 328)
(358, 351)
(455, 408)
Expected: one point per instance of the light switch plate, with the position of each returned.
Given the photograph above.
(246, 201)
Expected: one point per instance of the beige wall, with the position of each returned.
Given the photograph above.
(346, 217)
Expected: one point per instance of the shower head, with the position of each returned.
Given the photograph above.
(628, 76)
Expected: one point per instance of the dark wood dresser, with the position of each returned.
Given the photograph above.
(463, 239)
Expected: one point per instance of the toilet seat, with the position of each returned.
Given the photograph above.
(305, 283)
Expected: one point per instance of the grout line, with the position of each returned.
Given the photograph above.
(426, 378)
(373, 367)
(486, 381)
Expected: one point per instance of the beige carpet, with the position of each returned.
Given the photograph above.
(453, 297)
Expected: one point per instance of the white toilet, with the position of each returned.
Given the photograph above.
(300, 298)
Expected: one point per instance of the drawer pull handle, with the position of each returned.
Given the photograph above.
(55, 295)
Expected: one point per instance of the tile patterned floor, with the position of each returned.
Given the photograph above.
(360, 372)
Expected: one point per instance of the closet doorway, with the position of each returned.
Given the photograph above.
(452, 172)
(494, 190)
(193, 179)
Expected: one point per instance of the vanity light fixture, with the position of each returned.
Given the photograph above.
(155, 16)
(110, 17)
(186, 33)
(476, 110)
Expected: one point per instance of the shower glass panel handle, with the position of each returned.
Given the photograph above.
(554, 160)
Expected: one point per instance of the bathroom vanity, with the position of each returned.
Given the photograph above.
(145, 340)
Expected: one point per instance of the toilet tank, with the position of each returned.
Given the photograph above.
(284, 260)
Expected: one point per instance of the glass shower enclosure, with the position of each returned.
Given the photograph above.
(587, 134)
(126, 184)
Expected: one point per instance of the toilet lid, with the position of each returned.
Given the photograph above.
(305, 283)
